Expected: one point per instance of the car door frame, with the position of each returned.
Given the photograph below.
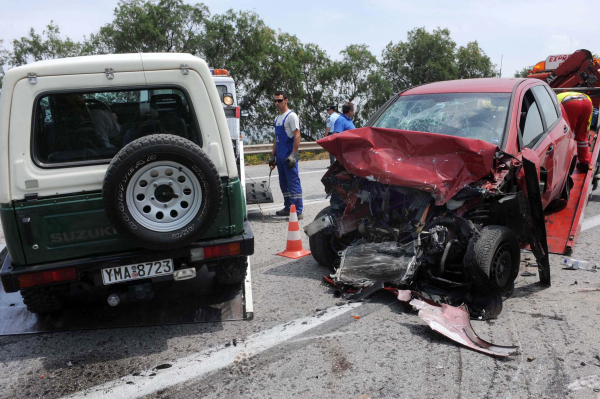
(545, 161)
(560, 169)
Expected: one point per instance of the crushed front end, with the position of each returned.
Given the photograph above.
(453, 244)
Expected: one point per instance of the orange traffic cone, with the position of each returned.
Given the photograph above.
(294, 248)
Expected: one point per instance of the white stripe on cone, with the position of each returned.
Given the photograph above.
(293, 217)
(294, 235)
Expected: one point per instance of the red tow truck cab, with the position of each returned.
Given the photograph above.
(579, 72)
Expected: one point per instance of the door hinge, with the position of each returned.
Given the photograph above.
(110, 73)
(32, 78)
(185, 69)
(226, 230)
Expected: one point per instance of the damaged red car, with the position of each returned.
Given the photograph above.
(442, 189)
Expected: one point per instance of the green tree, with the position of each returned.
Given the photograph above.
(523, 72)
(472, 62)
(244, 45)
(430, 57)
(351, 75)
(3, 59)
(379, 91)
(424, 57)
(149, 26)
(303, 69)
(48, 45)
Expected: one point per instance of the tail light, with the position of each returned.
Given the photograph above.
(216, 251)
(223, 250)
(51, 276)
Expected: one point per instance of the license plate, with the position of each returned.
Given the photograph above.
(137, 271)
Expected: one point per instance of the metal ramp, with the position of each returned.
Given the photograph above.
(563, 226)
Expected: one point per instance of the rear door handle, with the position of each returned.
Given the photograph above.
(566, 129)
(550, 149)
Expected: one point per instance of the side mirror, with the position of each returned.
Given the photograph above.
(245, 107)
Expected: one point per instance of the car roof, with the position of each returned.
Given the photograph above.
(484, 85)
(99, 63)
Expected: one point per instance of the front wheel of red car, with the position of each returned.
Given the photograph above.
(322, 245)
(496, 252)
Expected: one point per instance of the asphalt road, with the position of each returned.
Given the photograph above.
(303, 342)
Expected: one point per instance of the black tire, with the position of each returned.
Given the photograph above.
(44, 300)
(155, 149)
(232, 271)
(565, 194)
(496, 252)
(321, 245)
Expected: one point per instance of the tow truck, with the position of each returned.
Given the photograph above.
(579, 72)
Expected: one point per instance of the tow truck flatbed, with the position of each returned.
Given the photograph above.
(564, 225)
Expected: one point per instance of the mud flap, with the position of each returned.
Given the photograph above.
(258, 193)
(538, 240)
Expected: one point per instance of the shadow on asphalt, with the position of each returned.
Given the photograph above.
(267, 217)
(89, 332)
(305, 267)
(526, 290)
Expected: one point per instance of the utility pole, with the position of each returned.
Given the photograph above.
(501, 58)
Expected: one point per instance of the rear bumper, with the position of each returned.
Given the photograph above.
(89, 268)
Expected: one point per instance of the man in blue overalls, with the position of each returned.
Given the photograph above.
(285, 154)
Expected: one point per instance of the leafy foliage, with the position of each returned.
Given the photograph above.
(48, 45)
(472, 62)
(430, 57)
(523, 72)
(262, 60)
(154, 27)
(3, 59)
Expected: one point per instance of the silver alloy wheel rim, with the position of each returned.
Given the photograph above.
(164, 196)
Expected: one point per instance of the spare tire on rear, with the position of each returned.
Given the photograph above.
(162, 191)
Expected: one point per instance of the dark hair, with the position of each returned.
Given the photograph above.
(347, 108)
(281, 93)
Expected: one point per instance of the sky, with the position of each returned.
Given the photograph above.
(518, 33)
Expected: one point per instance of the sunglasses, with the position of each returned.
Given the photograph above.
(279, 100)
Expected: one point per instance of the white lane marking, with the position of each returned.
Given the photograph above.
(592, 382)
(590, 223)
(196, 365)
(249, 303)
(301, 173)
(255, 208)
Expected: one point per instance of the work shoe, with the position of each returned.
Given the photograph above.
(583, 167)
(283, 212)
(300, 216)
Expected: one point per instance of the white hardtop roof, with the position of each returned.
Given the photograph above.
(99, 63)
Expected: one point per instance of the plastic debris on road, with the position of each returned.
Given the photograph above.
(576, 264)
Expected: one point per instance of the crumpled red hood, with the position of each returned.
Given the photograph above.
(435, 163)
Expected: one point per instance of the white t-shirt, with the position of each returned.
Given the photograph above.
(331, 121)
(292, 123)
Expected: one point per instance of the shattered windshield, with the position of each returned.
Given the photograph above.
(479, 116)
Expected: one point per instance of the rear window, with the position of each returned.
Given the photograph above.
(91, 127)
(479, 116)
